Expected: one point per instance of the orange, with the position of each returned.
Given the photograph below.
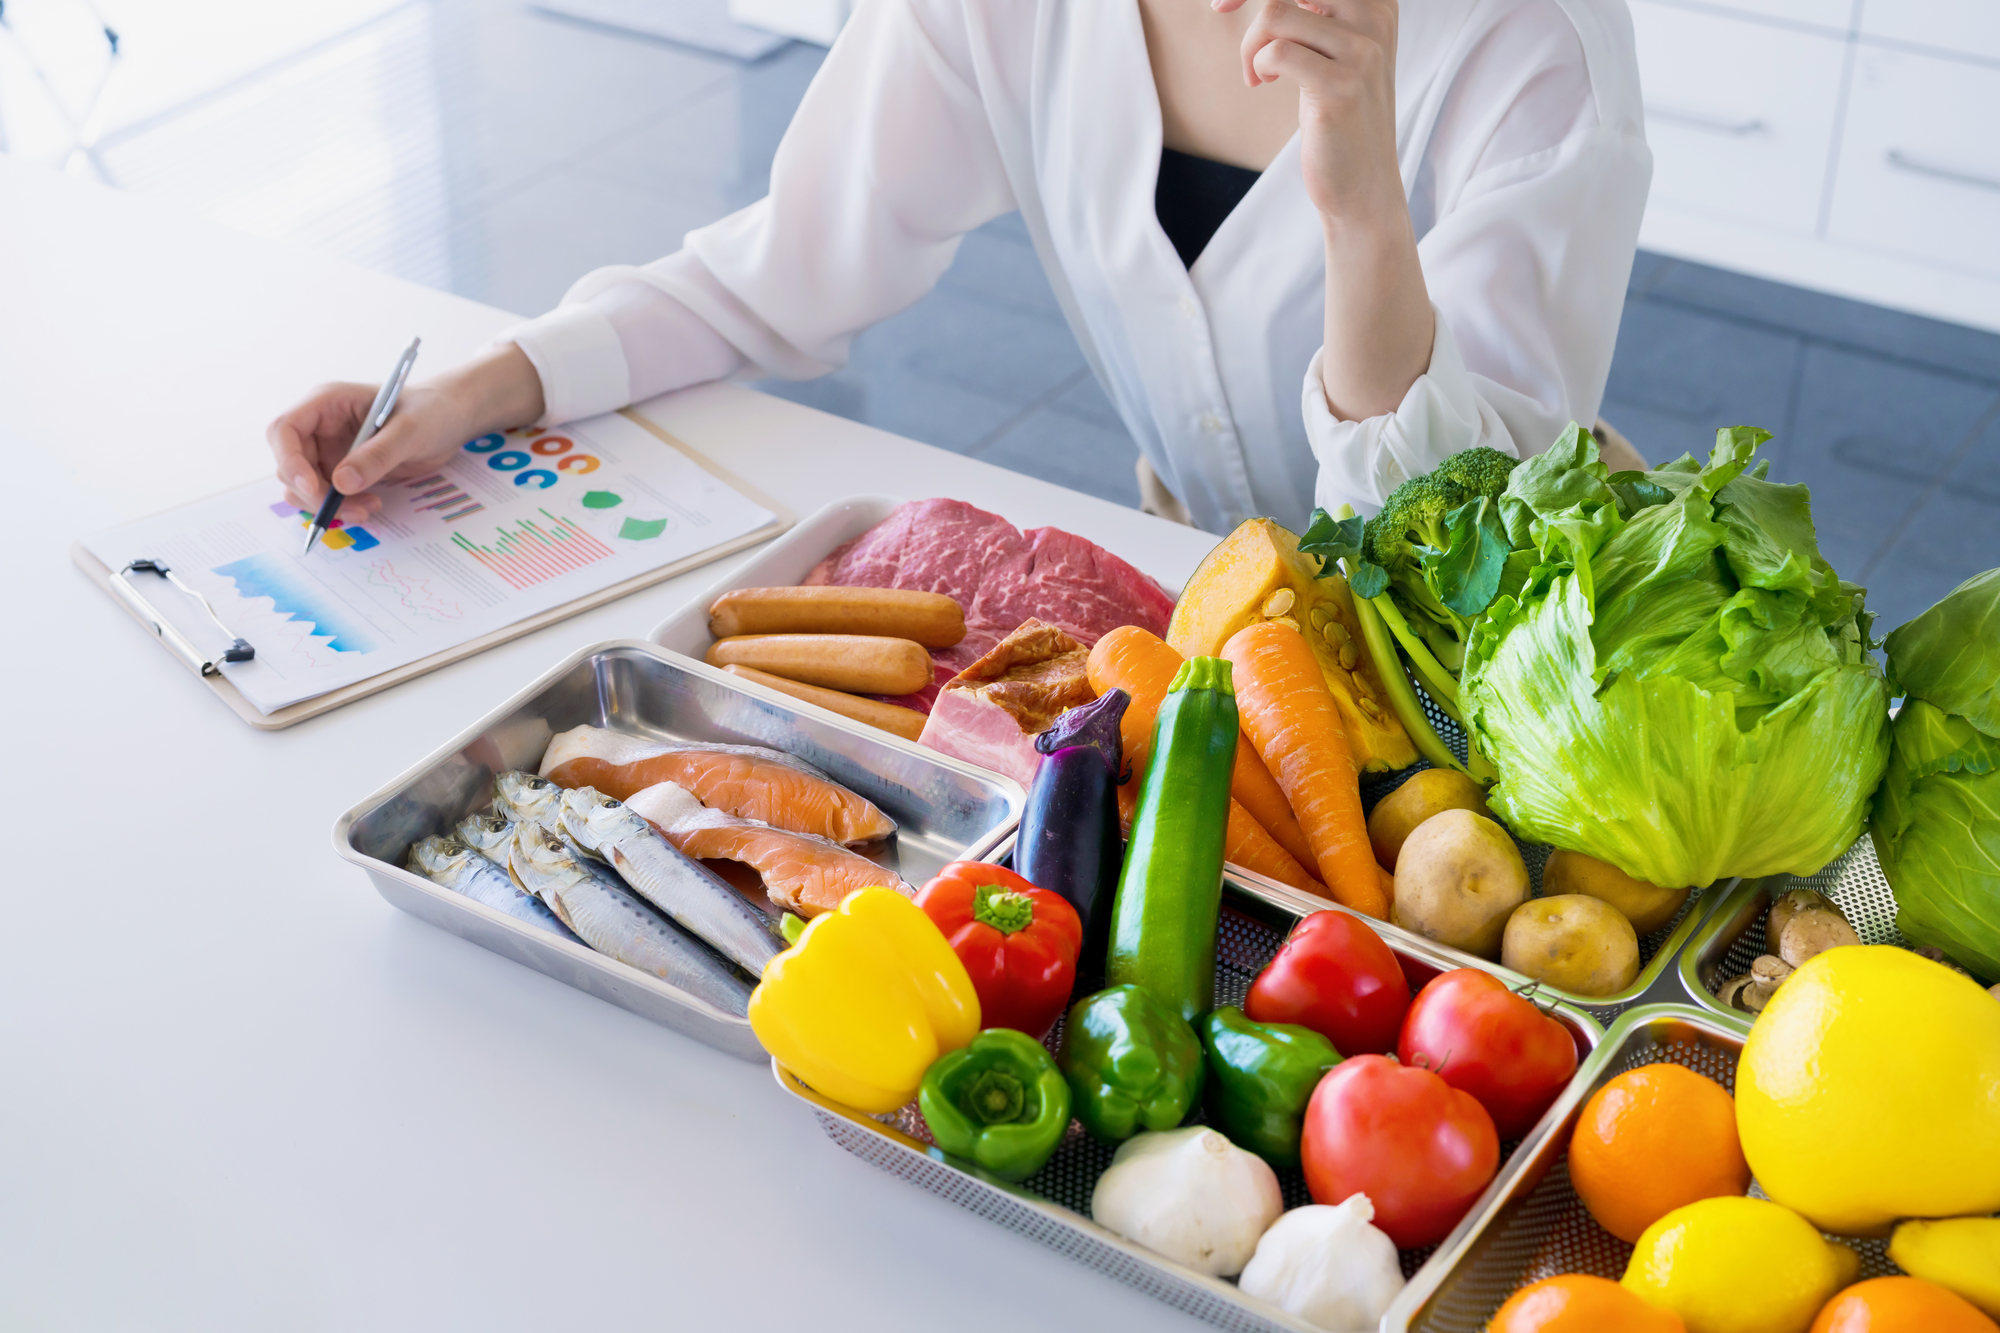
(1652, 1140)
(1901, 1305)
(1579, 1303)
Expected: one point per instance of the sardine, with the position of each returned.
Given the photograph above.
(693, 895)
(492, 836)
(592, 902)
(527, 799)
(457, 867)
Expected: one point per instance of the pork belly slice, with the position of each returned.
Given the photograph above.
(990, 713)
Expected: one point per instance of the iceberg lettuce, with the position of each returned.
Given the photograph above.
(1937, 813)
(1681, 684)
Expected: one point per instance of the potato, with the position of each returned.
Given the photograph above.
(1396, 816)
(1457, 878)
(1574, 942)
(1646, 906)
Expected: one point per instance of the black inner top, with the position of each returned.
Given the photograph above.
(1193, 196)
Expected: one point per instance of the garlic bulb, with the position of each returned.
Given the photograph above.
(1328, 1266)
(1190, 1194)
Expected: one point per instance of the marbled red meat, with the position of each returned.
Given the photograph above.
(1000, 575)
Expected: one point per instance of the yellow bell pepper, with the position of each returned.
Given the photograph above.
(868, 998)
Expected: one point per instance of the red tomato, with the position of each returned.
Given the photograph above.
(1420, 1149)
(1488, 1041)
(1335, 976)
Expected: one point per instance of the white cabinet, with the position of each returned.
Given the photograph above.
(1954, 27)
(1847, 145)
(1740, 115)
(1920, 162)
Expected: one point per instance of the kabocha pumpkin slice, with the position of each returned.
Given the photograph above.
(1257, 574)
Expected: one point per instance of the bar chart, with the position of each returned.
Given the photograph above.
(529, 552)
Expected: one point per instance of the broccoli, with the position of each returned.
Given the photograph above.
(1414, 526)
(1415, 513)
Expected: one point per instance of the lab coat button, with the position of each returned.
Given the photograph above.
(1213, 424)
(1189, 308)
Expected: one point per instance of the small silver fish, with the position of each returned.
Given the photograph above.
(457, 867)
(592, 902)
(693, 895)
(492, 836)
(527, 799)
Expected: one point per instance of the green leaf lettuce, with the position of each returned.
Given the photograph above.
(1937, 813)
(1679, 685)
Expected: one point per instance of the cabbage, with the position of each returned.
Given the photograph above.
(1681, 684)
(1937, 813)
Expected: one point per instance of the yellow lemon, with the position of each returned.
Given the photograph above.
(1870, 1091)
(1960, 1254)
(1738, 1266)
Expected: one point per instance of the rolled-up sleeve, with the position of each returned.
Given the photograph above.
(1527, 277)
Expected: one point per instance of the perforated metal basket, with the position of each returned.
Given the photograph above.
(1657, 949)
(1531, 1225)
(1733, 936)
(1053, 1206)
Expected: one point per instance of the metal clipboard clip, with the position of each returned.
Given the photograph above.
(239, 649)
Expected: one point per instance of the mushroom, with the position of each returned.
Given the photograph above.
(1769, 969)
(1936, 955)
(1787, 905)
(1758, 994)
(1811, 931)
(1731, 991)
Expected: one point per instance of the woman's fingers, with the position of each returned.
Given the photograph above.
(1294, 38)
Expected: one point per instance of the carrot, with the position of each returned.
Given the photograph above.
(1290, 715)
(1143, 666)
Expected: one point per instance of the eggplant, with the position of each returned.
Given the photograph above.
(1069, 841)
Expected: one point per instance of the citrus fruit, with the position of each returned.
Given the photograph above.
(1960, 1254)
(1580, 1303)
(1738, 1266)
(1869, 1090)
(1650, 1140)
(1901, 1305)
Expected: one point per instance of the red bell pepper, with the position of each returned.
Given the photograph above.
(1018, 942)
(1335, 976)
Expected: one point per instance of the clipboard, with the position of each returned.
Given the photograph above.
(138, 606)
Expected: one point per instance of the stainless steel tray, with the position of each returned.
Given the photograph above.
(1053, 1206)
(947, 810)
(1733, 935)
(1530, 1225)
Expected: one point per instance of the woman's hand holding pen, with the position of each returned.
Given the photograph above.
(1341, 55)
(497, 391)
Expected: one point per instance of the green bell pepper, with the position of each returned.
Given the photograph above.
(1164, 919)
(1263, 1074)
(999, 1102)
(1131, 1061)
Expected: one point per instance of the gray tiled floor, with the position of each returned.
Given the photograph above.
(484, 147)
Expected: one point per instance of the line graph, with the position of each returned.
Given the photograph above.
(414, 593)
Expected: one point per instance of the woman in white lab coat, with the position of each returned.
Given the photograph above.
(1423, 214)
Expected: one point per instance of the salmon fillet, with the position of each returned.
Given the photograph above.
(747, 781)
(802, 873)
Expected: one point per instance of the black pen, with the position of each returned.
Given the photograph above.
(378, 417)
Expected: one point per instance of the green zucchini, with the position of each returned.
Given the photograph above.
(1163, 921)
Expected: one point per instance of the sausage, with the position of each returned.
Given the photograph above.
(856, 663)
(929, 618)
(905, 722)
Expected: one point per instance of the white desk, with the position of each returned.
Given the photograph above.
(237, 1089)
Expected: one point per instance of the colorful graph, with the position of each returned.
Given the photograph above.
(339, 537)
(529, 553)
(414, 593)
(438, 492)
(298, 597)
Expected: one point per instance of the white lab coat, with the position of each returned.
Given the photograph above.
(1520, 138)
